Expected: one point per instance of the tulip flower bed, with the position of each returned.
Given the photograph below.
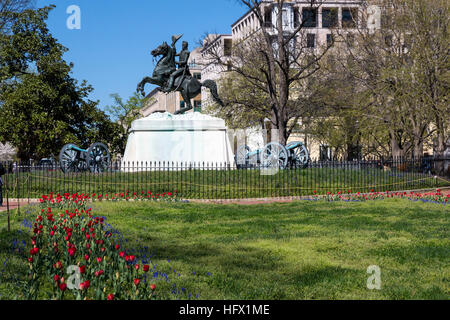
(76, 200)
(76, 238)
(432, 197)
(69, 242)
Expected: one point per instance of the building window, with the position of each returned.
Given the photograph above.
(309, 18)
(197, 106)
(227, 47)
(310, 40)
(349, 17)
(329, 17)
(296, 18)
(285, 18)
(182, 104)
(268, 17)
(198, 76)
(330, 40)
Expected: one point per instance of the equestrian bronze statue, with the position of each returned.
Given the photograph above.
(170, 78)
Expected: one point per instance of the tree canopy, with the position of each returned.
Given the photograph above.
(42, 106)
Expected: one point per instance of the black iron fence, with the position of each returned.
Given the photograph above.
(226, 180)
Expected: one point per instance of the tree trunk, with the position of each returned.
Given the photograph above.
(418, 149)
(440, 148)
(418, 142)
(397, 150)
(283, 133)
(441, 143)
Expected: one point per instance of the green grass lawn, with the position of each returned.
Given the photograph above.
(300, 250)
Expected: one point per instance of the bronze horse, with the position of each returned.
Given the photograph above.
(188, 86)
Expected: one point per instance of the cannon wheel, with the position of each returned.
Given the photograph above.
(98, 157)
(275, 155)
(299, 155)
(68, 159)
(241, 156)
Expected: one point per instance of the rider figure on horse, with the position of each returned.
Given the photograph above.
(183, 66)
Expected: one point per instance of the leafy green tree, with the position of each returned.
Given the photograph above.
(42, 106)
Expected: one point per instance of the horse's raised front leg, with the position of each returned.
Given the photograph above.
(141, 85)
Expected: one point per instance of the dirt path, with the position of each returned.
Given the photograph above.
(14, 204)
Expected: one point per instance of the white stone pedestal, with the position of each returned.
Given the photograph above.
(188, 139)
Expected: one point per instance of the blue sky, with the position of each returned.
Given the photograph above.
(112, 49)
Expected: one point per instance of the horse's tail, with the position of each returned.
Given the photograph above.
(211, 85)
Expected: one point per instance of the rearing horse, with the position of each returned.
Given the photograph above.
(188, 86)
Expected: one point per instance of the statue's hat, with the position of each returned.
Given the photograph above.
(175, 38)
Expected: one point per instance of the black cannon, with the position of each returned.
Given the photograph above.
(274, 155)
(74, 159)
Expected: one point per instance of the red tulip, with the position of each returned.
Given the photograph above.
(62, 286)
(85, 285)
(98, 273)
(136, 282)
(153, 287)
(71, 251)
(82, 269)
(110, 296)
(146, 268)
